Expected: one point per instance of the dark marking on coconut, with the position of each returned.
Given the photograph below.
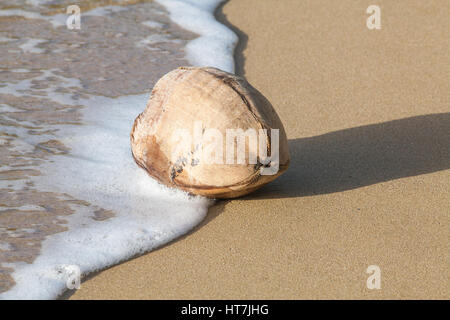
(194, 162)
(260, 164)
(178, 167)
(172, 174)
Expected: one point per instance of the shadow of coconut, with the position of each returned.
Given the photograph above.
(357, 157)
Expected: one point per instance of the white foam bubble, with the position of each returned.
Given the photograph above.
(155, 39)
(153, 24)
(37, 3)
(7, 108)
(27, 207)
(59, 20)
(56, 20)
(30, 46)
(5, 246)
(5, 39)
(216, 43)
(51, 91)
(104, 11)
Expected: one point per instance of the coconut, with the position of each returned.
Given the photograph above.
(210, 133)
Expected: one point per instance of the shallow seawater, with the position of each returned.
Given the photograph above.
(70, 192)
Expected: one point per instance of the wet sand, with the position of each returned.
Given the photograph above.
(367, 116)
(47, 74)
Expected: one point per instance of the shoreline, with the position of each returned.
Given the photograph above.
(368, 177)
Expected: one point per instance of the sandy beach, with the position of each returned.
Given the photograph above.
(367, 117)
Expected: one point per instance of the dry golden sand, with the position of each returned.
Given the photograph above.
(367, 115)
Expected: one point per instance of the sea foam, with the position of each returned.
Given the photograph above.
(215, 46)
(100, 170)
